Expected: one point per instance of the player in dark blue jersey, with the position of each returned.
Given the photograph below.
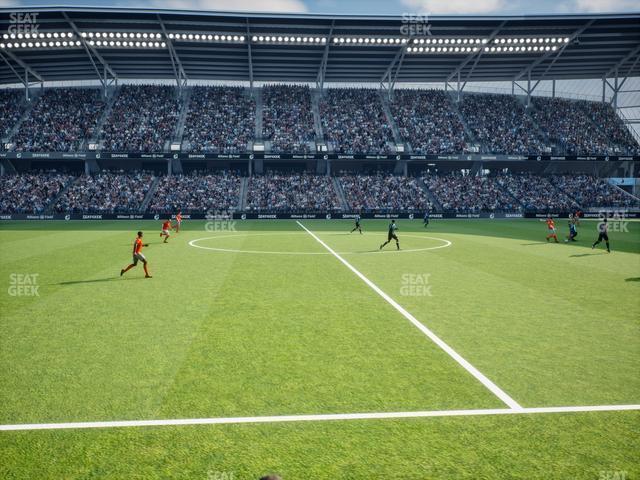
(392, 235)
(425, 219)
(603, 234)
(357, 227)
(573, 228)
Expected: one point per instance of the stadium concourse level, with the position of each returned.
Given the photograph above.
(219, 120)
(223, 119)
(207, 192)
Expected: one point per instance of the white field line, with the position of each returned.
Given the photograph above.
(316, 418)
(497, 391)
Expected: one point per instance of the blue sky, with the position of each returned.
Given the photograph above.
(393, 7)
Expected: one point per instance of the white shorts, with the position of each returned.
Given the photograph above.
(139, 256)
(166, 232)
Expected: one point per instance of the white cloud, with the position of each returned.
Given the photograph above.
(606, 5)
(453, 7)
(280, 6)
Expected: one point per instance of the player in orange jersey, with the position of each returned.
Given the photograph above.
(178, 221)
(166, 230)
(138, 256)
(551, 228)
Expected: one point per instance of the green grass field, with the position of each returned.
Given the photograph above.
(259, 319)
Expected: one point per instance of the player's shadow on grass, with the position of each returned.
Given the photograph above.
(97, 280)
(577, 255)
(632, 279)
(535, 243)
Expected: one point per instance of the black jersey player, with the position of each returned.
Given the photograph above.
(357, 227)
(603, 234)
(392, 235)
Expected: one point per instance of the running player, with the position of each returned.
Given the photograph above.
(166, 230)
(138, 256)
(392, 235)
(178, 221)
(573, 229)
(357, 227)
(603, 234)
(425, 219)
(551, 228)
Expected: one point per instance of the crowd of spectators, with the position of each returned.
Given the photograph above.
(11, 107)
(567, 125)
(603, 115)
(354, 121)
(143, 119)
(590, 191)
(108, 192)
(427, 122)
(30, 193)
(287, 120)
(292, 192)
(219, 120)
(197, 192)
(536, 193)
(61, 120)
(459, 193)
(500, 124)
(384, 193)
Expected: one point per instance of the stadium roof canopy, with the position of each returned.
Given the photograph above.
(69, 43)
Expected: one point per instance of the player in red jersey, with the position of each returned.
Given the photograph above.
(178, 221)
(551, 228)
(166, 230)
(138, 256)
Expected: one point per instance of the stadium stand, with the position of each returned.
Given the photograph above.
(61, 120)
(287, 118)
(353, 120)
(500, 123)
(536, 193)
(590, 191)
(278, 192)
(143, 119)
(11, 107)
(197, 192)
(470, 194)
(220, 120)
(567, 124)
(107, 192)
(30, 193)
(383, 193)
(603, 115)
(427, 122)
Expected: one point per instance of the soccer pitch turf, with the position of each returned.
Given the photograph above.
(266, 318)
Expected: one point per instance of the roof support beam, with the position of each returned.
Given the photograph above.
(325, 59)
(389, 76)
(91, 53)
(475, 55)
(25, 81)
(176, 64)
(572, 37)
(249, 55)
(612, 70)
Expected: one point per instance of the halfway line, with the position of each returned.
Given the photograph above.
(497, 391)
